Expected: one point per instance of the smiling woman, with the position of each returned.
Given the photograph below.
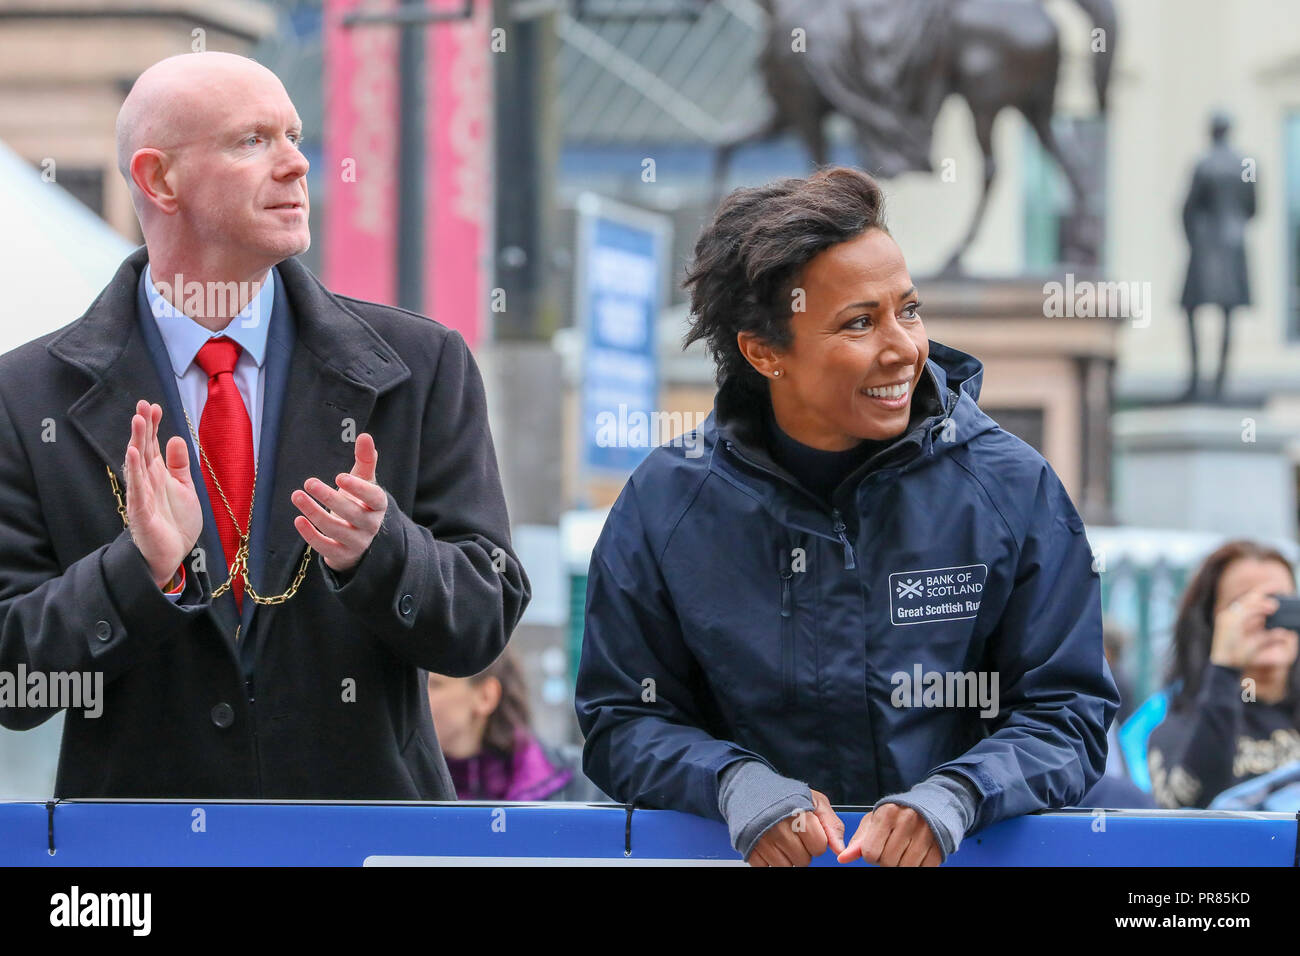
(766, 589)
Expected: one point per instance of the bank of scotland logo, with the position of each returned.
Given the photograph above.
(934, 595)
(909, 588)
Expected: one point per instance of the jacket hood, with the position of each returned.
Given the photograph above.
(956, 370)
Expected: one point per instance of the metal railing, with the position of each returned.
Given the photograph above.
(216, 833)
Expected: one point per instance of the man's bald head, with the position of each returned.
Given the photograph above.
(171, 102)
(210, 147)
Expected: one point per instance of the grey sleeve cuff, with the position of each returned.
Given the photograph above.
(948, 803)
(752, 798)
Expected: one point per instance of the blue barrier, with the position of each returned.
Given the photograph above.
(179, 833)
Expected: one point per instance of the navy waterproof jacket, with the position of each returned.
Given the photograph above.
(731, 614)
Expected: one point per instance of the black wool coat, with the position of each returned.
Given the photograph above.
(324, 696)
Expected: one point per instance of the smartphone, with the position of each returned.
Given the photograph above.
(1287, 614)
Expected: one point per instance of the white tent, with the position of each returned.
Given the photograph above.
(55, 257)
(55, 254)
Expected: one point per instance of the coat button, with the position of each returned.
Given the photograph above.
(103, 630)
(223, 715)
(406, 604)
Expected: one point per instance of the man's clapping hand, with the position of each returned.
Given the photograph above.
(162, 507)
(341, 522)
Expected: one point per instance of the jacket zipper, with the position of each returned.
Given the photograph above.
(838, 525)
(788, 695)
(849, 562)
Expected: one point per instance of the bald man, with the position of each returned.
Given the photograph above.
(254, 510)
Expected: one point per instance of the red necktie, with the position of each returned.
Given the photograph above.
(226, 435)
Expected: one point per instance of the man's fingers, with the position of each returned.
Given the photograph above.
(333, 525)
(141, 423)
(756, 858)
(327, 548)
(142, 442)
(933, 857)
(365, 492)
(346, 519)
(178, 460)
(367, 458)
(139, 496)
(155, 413)
(137, 429)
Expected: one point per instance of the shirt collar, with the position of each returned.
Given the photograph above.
(183, 337)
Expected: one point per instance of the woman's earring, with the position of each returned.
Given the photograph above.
(776, 374)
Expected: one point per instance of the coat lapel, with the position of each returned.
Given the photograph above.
(338, 367)
(326, 368)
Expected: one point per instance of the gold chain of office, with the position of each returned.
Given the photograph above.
(240, 566)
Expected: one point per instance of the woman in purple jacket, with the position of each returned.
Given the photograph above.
(483, 727)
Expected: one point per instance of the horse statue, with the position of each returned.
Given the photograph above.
(888, 65)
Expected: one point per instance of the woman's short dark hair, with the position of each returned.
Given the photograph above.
(1194, 626)
(749, 257)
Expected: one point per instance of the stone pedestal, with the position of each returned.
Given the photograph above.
(1204, 468)
(1047, 379)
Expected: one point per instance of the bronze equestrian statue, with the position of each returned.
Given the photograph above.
(888, 65)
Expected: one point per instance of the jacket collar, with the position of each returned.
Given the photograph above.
(739, 415)
(338, 368)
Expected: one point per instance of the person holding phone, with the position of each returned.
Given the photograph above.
(1235, 712)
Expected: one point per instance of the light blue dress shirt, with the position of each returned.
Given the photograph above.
(183, 338)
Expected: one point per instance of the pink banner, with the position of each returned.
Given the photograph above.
(361, 103)
(457, 168)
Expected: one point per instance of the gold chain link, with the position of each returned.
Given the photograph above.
(240, 565)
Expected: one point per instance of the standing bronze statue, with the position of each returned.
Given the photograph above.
(888, 65)
(1219, 202)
